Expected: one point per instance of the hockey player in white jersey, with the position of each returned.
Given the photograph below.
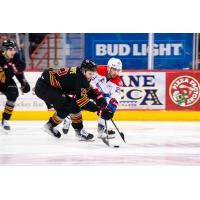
(108, 82)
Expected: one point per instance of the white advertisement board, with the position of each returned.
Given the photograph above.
(141, 90)
(29, 101)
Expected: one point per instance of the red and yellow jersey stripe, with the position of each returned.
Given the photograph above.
(82, 101)
(53, 80)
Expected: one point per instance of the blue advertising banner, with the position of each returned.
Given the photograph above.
(171, 50)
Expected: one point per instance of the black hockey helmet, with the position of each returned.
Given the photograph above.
(9, 44)
(88, 65)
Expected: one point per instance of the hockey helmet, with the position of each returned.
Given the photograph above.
(88, 65)
(9, 44)
(115, 63)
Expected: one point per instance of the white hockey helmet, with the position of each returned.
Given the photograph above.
(115, 63)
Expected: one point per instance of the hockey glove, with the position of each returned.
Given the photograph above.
(101, 102)
(106, 114)
(25, 87)
(112, 105)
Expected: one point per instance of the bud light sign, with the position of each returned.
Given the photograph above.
(171, 51)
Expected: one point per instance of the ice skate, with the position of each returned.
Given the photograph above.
(66, 126)
(5, 126)
(83, 134)
(111, 133)
(102, 132)
(48, 128)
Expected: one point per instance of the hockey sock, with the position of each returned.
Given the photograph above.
(77, 122)
(8, 110)
(55, 120)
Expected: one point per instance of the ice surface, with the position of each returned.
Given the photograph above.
(147, 143)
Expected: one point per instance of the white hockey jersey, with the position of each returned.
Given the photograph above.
(109, 87)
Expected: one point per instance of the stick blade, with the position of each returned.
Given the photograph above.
(122, 136)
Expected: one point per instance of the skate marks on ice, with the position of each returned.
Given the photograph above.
(147, 143)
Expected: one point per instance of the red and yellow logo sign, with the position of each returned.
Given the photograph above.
(184, 91)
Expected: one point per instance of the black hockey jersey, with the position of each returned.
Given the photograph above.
(72, 82)
(10, 68)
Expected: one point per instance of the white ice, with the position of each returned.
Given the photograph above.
(147, 143)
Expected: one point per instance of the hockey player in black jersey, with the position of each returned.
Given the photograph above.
(68, 91)
(10, 66)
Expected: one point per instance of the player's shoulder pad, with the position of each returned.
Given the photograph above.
(117, 81)
(102, 70)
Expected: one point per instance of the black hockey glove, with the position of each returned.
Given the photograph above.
(106, 114)
(25, 87)
(101, 102)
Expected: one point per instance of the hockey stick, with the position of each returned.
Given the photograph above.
(18, 44)
(106, 140)
(121, 134)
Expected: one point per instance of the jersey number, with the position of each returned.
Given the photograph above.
(72, 70)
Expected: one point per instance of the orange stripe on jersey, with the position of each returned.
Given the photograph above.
(53, 81)
(83, 101)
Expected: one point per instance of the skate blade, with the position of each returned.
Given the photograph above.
(109, 137)
(85, 140)
(5, 131)
(65, 132)
(49, 132)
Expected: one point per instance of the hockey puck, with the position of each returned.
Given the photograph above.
(116, 146)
